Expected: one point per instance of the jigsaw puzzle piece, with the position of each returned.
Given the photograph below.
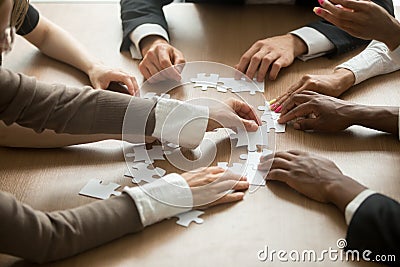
(191, 216)
(242, 85)
(251, 139)
(150, 95)
(97, 189)
(141, 172)
(148, 156)
(205, 81)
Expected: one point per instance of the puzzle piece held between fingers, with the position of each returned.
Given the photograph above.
(97, 189)
(141, 172)
(191, 216)
(205, 81)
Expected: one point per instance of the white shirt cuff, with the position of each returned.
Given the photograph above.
(161, 199)
(352, 207)
(374, 60)
(141, 32)
(180, 123)
(317, 43)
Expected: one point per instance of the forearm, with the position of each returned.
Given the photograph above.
(70, 110)
(47, 236)
(379, 118)
(57, 43)
(18, 136)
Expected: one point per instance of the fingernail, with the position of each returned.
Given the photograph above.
(321, 2)
(278, 109)
(272, 101)
(317, 10)
(273, 106)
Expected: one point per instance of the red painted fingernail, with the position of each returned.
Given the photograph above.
(321, 2)
(278, 109)
(273, 106)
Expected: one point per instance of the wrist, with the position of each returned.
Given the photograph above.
(392, 40)
(344, 79)
(149, 41)
(342, 190)
(299, 46)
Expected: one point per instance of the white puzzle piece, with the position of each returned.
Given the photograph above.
(148, 156)
(241, 85)
(251, 139)
(97, 189)
(150, 95)
(169, 148)
(205, 81)
(141, 172)
(270, 118)
(191, 216)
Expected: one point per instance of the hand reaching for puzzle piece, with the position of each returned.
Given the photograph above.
(232, 113)
(210, 186)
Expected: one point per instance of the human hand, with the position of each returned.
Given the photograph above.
(312, 111)
(101, 76)
(313, 176)
(210, 186)
(159, 55)
(362, 19)
(333, 84)
(272, 53)
(232, 113)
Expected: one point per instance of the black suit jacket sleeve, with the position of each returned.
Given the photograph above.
(137, 12)
(343, 41)
(375, 226)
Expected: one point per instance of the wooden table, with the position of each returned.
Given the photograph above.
(232, 235)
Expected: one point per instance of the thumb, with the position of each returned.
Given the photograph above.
(249, 125)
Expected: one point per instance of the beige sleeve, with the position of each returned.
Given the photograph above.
(47, 236)
(40, 106)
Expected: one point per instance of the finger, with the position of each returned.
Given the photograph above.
(179, 59)
(284, 155)
(127, 80)
(136, 91)
(244, 110)
(287, 95)
(278, 175)
(277, 66)
(165, 62)
(245, 59)
(297, 152)
(293, 101)
(229, 198)
(350, 4)
(144, 70)
(262, 72)
(249, 125)
(254, 64)
(302, 110)
(305, 124)
(281, 163)
(241, 186)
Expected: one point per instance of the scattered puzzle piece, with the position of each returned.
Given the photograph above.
(141, 172)
(241, 85)
(251, 139)
(191, 216)
(236, 168)
(150, 95)
(205, 81)
(148, 156)
(97, 189)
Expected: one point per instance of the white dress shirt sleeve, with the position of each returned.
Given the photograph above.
(161, 199)
(352, 207)
(141, 32)
(317, 43)
(374, 60)
(180, 123)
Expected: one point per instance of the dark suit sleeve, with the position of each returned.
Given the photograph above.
(375, 226)
(137, 12)
(343, 41)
